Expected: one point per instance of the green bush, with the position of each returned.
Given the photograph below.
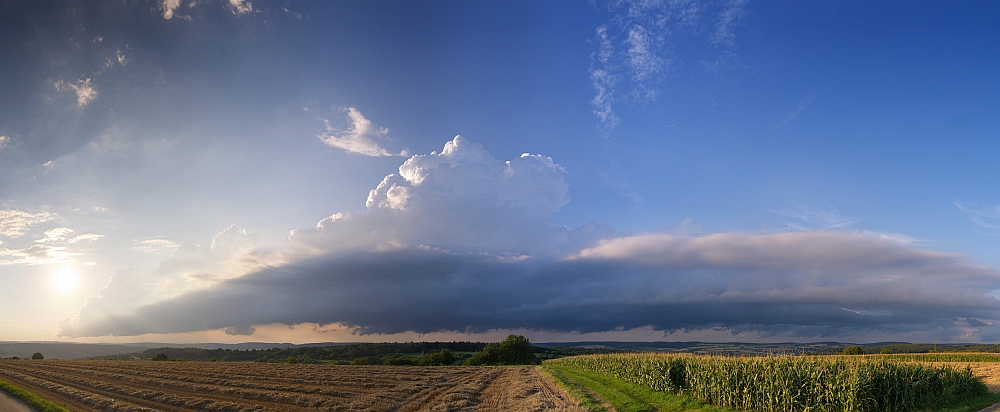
(442, 358)
(160, 357)
(38, 356)
(398, 361)
(360, 361)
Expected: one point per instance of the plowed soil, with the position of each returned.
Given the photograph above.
(224, 386)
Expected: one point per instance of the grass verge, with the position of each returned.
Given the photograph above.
(31, 399)
(624, 396)
(578, 392)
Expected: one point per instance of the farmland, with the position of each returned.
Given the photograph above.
(779, 383)
(229, 386)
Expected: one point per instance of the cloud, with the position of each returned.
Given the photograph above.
(4, 141)
(982, 214)
(55, 235)
(168, 7)
(814, 284)
(460, 241)
(190, 267)
(359, 138)
(242, 330)
(153, 245)
(85, 237)
(36, 255)
(13, 223)
(636, 47)
(461, 199)
(811, 218)
(84, 88)
(240, 7)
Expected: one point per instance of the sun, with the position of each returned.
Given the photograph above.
(65, 279)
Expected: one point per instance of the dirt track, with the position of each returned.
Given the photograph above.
(220, 386)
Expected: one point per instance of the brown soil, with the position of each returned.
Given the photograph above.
(224, 386)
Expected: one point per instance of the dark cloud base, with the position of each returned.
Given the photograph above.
(424, 291)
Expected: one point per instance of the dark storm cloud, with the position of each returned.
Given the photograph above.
(824, 284)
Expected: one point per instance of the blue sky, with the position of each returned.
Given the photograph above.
(227, 170)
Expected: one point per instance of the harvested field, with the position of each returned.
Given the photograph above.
(989, 372)
(223, 386)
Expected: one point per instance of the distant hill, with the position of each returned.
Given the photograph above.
(73, 350)
(337, 351)
(63, 350)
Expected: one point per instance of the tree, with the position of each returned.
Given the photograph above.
(514, 350)
(853, 350)
(885, 351)
(37, 355)
(442, 358)
(160, 357)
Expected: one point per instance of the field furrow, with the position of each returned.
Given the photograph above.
(223, 386)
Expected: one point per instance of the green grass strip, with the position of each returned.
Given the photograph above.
(31, 399)
(583, 399)
(628, 397)
(971, 404)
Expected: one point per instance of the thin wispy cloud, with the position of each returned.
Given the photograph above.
(811, 218)
(14, 223)
(986, 215)
(153, 245)
(798, 109)
(635, 47)
(361, 137)
(4, 141)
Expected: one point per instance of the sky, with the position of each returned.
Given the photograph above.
(349, 171)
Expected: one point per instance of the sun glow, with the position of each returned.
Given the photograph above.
(65, 279)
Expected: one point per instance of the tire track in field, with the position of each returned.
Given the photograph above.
(85, 400)
(44, 393)
(464, 394)
(524, 389)
(209, 391)
(118, 391)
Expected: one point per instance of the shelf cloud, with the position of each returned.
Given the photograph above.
(461, 241)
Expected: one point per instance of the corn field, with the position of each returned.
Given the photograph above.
(789, 383)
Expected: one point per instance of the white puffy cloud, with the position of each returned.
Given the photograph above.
(4, 141)
(360, 138)
(461, 199)
(84, 89)
(168, 7)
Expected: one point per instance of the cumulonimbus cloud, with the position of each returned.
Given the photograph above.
(460, 241)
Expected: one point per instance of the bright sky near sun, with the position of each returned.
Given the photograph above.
(299, 171)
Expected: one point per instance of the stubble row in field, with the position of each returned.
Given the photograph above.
(222, 386)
